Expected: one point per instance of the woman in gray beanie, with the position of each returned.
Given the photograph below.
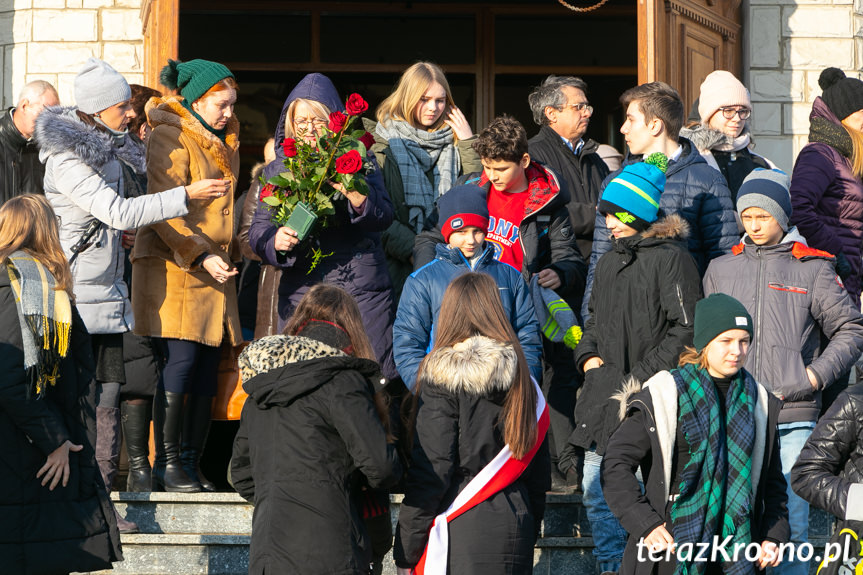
(89, 163)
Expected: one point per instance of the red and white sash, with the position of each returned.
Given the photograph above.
(499, 473)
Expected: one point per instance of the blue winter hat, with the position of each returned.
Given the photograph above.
(633, 195)
(462, 206)
(768, 190)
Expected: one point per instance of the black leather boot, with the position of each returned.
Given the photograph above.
(196, 427)
(136, 430)
(168, 474)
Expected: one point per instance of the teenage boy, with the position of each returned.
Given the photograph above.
(794, 296)
(465, 220)
(654, 116)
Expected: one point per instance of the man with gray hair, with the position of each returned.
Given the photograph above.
(560, 107)
(21, 172)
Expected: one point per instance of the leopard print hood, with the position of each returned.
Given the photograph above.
(277, 369)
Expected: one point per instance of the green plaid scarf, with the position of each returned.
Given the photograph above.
(716, 485)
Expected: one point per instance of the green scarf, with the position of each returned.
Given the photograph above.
(221, 134)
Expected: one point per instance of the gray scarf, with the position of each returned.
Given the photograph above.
(417, 154)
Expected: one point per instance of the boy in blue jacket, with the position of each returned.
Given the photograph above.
(464, 216)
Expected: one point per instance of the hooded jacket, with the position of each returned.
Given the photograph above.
(546, 235)
(829, 471)
(641, 318)
(699, 194)
(582, 175)
(646, 438)
(308, 423)
(414, 328)
(827, 201)
(86, 176)
(21, 172)
(458, 432)
(355, 262)
(794, 297)
(71, 528)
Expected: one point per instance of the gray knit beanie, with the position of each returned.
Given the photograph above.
(768, 190)
(99, 86)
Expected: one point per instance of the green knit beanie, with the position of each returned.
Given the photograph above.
(716, 314)
(193, 78)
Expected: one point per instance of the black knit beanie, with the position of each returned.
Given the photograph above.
(716, 314)
(843, 95)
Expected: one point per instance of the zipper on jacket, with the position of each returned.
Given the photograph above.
(682, 308)
(759, 297)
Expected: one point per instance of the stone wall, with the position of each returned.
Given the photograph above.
(50, 39)
(790, 43)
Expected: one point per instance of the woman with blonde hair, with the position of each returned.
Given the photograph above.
(826, 191)
(423, 144)
(480, 414)
(55, 516)
(182, 273)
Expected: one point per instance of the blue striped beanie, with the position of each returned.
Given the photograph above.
(633, 195)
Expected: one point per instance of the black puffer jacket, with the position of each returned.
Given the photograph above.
(457, 434)
(72, 528)
(21, 172)
(308, 424)
(829, 472)
(581, 178)
(641, 318)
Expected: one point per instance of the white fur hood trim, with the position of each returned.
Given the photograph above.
(477, 365)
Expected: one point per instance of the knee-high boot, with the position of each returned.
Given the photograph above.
(108, 455)
(136, 430)
(196, 427)
(168, 474)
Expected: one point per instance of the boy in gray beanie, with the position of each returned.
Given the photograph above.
(793, 294)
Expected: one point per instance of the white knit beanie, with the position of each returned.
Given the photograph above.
(99, 86)
(720, 89)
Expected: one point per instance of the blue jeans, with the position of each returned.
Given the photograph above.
(609, 537)
(792, 437)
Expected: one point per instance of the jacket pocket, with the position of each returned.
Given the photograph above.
(790, 380)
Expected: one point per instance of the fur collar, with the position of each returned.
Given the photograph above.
(170, 111)
(275, 351)
(671, 227)
(705, 138)
(60, 130)
(477, 365)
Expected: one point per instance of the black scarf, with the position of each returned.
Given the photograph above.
(834, 135)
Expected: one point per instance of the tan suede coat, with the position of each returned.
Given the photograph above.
(173, 297)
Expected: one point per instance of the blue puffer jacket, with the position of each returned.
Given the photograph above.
(695, 191)
(413, 332)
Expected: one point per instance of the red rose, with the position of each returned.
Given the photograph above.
(267, 191)
(368, 140)
(337, 122)
(289, 147)
(356, 105)
(349, 163)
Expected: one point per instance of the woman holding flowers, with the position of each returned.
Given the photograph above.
(423, 144)
(182, 273)
(344, 245)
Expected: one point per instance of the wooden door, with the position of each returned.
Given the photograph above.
(682, 41)
(161, 38)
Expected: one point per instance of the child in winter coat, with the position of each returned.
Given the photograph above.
(640, 321)
(465, 218)
(705, 438)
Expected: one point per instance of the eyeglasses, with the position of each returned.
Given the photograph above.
(306, 123)
(730, 111)
(581, 107)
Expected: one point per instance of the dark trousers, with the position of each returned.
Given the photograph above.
(190, 367)
(560, 382)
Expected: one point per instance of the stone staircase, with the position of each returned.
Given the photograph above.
(209, 534)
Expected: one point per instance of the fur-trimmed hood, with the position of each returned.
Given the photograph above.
(706, 138)
(671, 227)
(59, 130)
(478, 366)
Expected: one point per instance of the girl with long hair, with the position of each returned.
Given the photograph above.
(705, 437)
(309, 423)
(423, 145)
(476, 404)
(55, 516)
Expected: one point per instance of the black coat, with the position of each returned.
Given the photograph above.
(21, 172)
(638, 443)
(308, 424)
(641, 318)
(829, 472)
(72, 528)
(457, 435)
(581, 179)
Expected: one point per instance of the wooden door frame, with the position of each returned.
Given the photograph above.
(161, 21)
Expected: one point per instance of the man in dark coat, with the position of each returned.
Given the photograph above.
(560, 107)
(21, 172)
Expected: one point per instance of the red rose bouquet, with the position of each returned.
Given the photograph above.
(302, 196)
